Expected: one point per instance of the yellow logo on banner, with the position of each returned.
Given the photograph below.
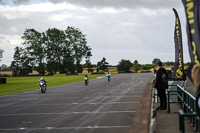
(195, 53)
(180, 63)
(189, 6)
(179, 73)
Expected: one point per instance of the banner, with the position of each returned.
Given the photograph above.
(192, 16)
(178, 71)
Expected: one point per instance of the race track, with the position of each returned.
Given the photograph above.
(100, 107)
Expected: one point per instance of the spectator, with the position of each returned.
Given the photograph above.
(161, 85)
(196, 79)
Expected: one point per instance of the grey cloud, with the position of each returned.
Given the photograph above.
(14, 2)
(8, 24)
(127, 34)
(125, 3)
(8, 51)
(105, 3)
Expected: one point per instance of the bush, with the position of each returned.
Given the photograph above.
(99, 73)
(124, 65)
(71, 74)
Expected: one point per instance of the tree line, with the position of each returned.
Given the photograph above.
(62, 51)
(123, 65)
(126, 65)
(53, 50)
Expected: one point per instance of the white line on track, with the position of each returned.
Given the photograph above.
(64, 128)
(28, 97)
(81, 104)
(86, 112)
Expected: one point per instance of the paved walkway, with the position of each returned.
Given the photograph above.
(169, 122)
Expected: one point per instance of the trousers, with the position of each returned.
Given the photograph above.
(163, 98)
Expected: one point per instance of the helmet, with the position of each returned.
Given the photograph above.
(42, 78)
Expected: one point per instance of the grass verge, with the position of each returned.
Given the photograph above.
(23, 84)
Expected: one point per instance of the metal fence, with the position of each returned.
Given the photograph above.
(188, 105)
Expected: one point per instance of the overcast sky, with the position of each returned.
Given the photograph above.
(116, 29)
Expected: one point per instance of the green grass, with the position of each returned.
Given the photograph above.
(23, 84)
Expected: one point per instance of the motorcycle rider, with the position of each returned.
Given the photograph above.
(42, 79)
(108, 75)
(86, 76)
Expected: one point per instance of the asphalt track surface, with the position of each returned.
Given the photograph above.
(100, 107)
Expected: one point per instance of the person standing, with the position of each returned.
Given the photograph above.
(196, 80)
(161, 85)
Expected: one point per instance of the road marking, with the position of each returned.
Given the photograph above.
(100, 77)
(86, 112)
(64, 128)
(28, 98)
(77, 104)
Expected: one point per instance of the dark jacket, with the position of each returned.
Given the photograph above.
(197, 98)
(160, 83)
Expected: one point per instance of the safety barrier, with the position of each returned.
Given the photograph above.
(187, 103)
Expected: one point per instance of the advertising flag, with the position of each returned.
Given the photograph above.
(192, 16)
(193, 33)
(178, 71)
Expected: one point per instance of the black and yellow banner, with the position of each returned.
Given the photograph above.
(178, 71)
(192, 9)
(192, 16)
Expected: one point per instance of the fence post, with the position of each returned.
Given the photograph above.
(197, 125)
(184, 100)
(179, 94)
(168, 103)
(181, 122)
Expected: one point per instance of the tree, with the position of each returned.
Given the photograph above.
(155, 61)
(124, 65)
(77, 41)
(21, 65)
(16, 63)
(88, 63)
(53, 50)
(136, 66)
(187, 64)
(34, 44)
(169, 63)
(102, 65)
(147, 66)
(4, 66)
(68, 62)
(27, 63)
(55, 41)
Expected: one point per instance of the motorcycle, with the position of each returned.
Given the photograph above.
(42, 87)
(86, 81)
(108, 77)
